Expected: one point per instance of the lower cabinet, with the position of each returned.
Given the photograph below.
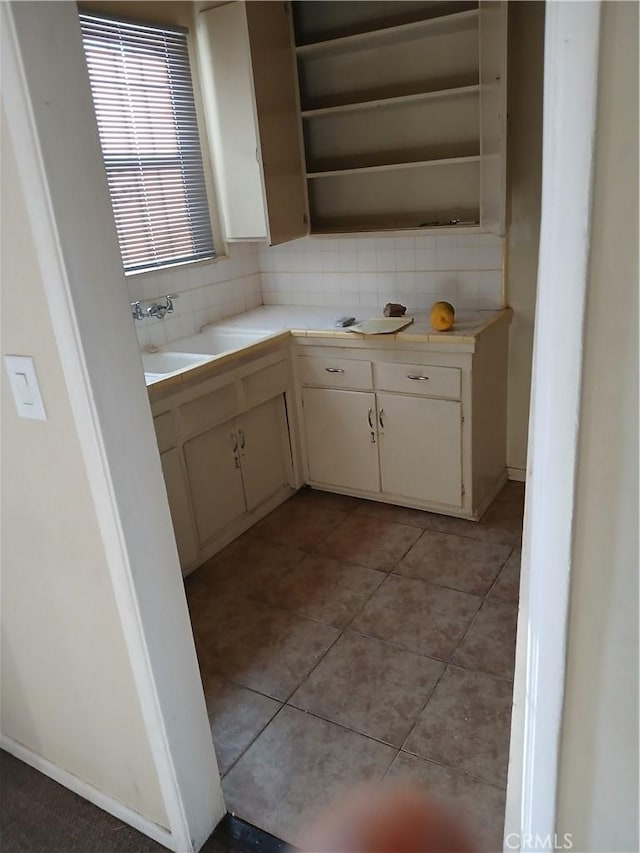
(215, 480)
(234, 467)
(263, 442)
(342, 447)
(392, 443)
(420, 448)
(179, 506)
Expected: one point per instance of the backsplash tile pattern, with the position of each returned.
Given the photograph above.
(465, 269)
(207, 292)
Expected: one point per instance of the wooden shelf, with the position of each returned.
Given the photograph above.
(315, 22)
(390, 167)
(392, 35)
(387, 102)
(400, 196)
(392, 116)
(402, 224)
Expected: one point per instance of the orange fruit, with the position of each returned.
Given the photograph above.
(442, 316)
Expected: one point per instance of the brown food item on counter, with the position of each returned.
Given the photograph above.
(394, 309)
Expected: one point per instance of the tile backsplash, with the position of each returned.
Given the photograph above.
(465, 269)
(207, 292)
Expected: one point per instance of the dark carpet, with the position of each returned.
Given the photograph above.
(37, 815)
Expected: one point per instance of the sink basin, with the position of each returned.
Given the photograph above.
(158, 365)
(215, 341)
(197, 349)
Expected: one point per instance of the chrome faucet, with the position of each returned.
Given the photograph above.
(156, 309)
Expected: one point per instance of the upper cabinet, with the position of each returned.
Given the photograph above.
(247, 68)
(403, 113)
(356, 117)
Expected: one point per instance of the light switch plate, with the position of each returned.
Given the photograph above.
(24, 384)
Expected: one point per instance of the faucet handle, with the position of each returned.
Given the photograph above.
(136, 310)
(169, 300)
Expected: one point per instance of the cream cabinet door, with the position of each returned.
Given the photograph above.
(215, 479)
(180, 508)
(247, 67)
(341, 440)
(273, 62)
(421, 448)
(263, 442)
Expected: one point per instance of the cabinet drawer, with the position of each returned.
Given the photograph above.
(208, 410)
(265, 384)
(165, 431)
(335, 373)
(418, 379)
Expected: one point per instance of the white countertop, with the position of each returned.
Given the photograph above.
(311, 321)
(270, 322)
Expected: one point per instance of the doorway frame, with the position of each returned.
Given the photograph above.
(570, 89)
(50, 117)
(572, 34)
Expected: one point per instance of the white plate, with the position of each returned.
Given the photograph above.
(381, 325)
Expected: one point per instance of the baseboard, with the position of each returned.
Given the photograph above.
(88, 792)
(517, 474)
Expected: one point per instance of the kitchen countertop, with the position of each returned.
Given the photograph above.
(277, 322)
(320, 323)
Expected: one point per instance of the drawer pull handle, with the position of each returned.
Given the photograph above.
(381, 413)
(369, 418)
(242, 441)
(334, 369)
(416, 376)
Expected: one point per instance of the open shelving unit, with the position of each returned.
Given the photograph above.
(391, 97)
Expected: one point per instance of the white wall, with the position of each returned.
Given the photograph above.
(466, 270)
(598, 789)
(208, 291)
(68, 692)
(48, 102)
(524, 163)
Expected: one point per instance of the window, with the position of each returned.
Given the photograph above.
(143, 98)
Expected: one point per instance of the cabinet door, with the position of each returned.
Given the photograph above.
(341, 438)
(247, 66)
(276, 100)
(263, 440)
(215, 480)
(180, 508)
(227, 89)
(421, 448)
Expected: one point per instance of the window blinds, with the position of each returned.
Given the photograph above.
(143, 98)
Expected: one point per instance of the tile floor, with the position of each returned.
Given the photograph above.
(341, 640)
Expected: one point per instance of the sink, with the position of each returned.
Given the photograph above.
(158, 365)
(223, 340)
(215, 341)
(197, 349)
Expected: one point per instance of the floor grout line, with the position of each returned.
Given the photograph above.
(348, 630)
(403, 751)
(252, 741)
